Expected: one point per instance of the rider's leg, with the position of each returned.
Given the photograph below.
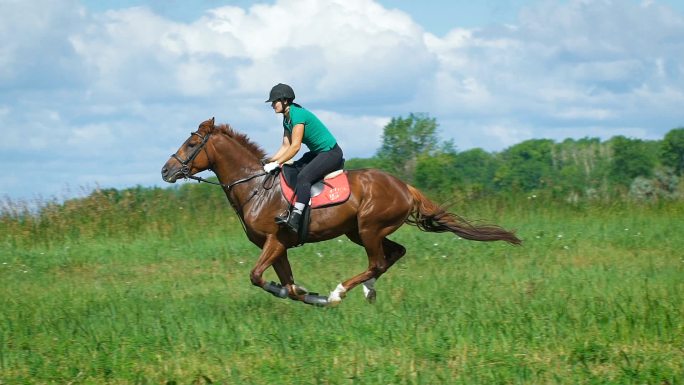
(319, 165)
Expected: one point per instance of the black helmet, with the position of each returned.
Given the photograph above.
(280, 91)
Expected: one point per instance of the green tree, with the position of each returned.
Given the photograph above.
(437, 171)
(476, 168)
(526, 166)
(578, 165)
(358, 163)
(672, 150)
(631, 158)
(404, 140)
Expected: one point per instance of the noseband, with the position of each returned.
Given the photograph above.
(185, 168)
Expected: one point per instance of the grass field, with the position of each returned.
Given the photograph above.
(142, 291)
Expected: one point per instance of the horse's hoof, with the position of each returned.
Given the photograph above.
(332, 302)
(369, 290)
(299, 290)
(316, 300)
(371, 296)
(337, 295)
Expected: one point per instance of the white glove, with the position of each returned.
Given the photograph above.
(268, 167)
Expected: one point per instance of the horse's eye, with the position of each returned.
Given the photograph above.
(192, 144)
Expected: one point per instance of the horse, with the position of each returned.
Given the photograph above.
(378, 205)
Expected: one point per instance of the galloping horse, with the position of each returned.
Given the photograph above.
(378, 205)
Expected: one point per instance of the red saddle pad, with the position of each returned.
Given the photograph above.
(336, 190)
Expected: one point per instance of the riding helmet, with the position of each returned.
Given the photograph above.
(280, 91)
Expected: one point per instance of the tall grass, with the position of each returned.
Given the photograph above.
(151, 286)
(128, 214)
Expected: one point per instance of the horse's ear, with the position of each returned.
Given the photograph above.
(212, 120)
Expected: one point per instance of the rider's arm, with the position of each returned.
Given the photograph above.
(283, 147)
(294, 146)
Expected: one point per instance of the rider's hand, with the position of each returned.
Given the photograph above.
(268, 167)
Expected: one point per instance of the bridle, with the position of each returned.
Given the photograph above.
(185, 169)
(185, 163)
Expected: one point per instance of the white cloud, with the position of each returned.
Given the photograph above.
(122, 89)
(565, 65)
(359, 136)
(584, 113)
(507, 133)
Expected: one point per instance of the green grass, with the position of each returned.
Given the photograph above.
(158, 295)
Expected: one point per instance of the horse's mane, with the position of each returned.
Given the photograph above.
(242, 139)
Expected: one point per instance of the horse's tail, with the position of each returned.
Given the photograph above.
(428, 216)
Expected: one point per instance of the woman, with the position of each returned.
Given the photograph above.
(301, 126)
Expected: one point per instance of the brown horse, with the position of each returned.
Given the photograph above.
(379, 204)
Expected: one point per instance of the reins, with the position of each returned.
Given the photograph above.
(224, 185)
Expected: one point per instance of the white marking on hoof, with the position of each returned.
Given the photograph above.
(336, 295)
(369, 290)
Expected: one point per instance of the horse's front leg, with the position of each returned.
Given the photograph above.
(271, 252)
(284, 271)
(274, 253)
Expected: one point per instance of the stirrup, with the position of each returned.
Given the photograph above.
(292, 221)
(282, 219)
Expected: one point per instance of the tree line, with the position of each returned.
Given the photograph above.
(573, 169)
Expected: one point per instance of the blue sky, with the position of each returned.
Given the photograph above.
(99, 93)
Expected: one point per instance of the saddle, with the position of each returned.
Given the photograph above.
(332, 190)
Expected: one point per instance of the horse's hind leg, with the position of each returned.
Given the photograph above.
(376, 266)
(393, 252)
(372, 239)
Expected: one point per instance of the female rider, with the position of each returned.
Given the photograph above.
(302, 126)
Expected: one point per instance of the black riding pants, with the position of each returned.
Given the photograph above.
(313, 167)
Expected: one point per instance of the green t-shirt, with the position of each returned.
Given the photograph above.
(316, 135)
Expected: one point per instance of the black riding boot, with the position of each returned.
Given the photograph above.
(292, 221)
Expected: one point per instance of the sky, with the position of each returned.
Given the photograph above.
(98, 94)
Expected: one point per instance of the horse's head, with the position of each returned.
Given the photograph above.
(192, 156)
